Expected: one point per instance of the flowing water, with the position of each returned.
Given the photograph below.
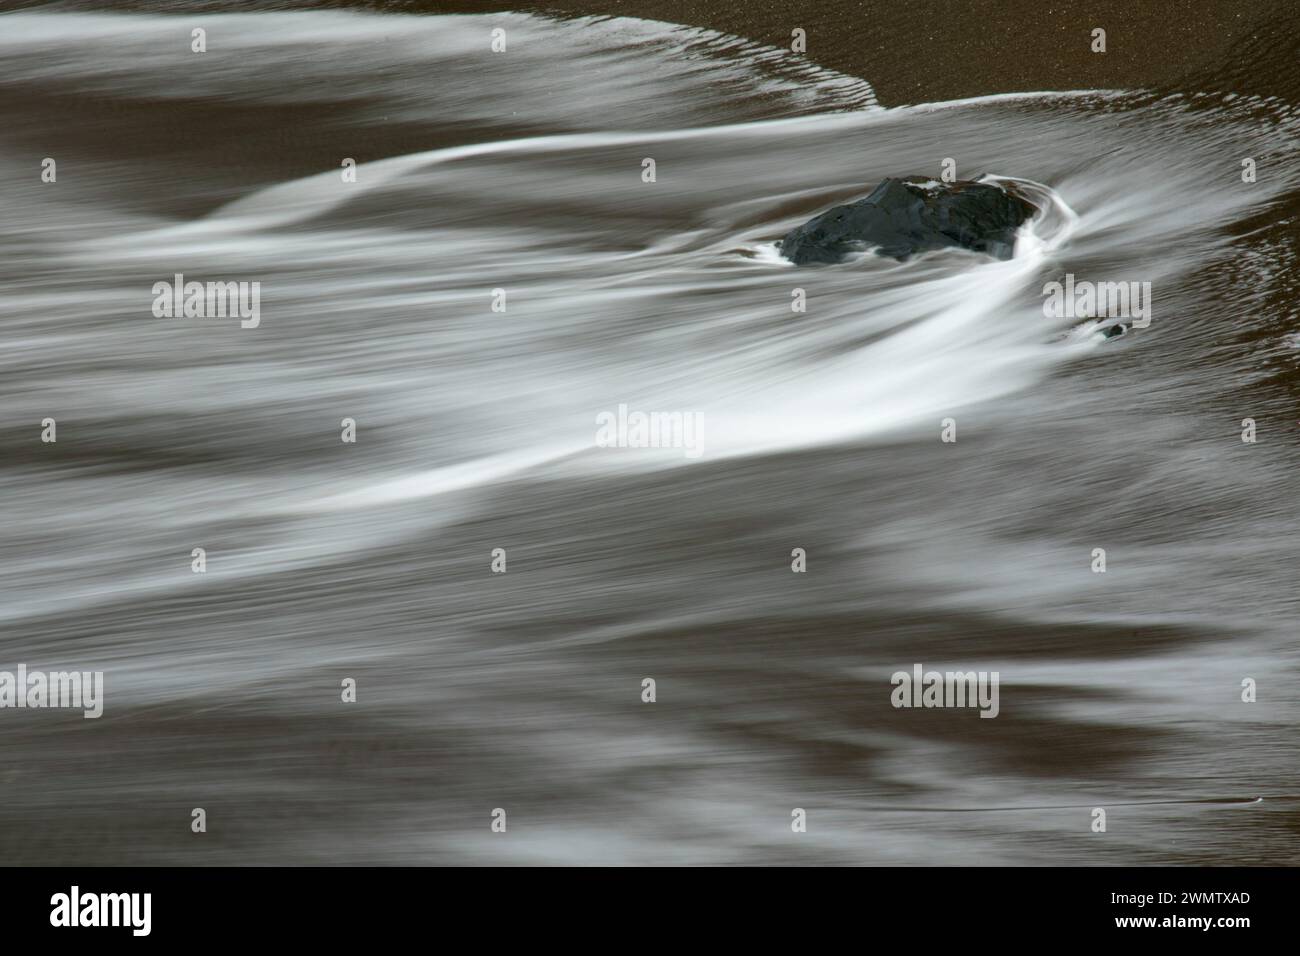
(476, 430)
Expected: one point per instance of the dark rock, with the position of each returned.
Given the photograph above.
(914, 214)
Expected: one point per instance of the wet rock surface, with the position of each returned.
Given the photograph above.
(904, 216)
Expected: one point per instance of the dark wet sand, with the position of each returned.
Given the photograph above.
(929, 50)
